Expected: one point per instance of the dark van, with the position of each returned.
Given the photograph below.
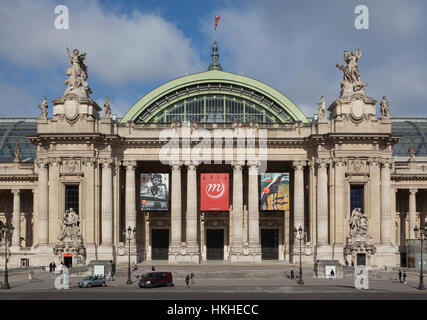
(155, 279)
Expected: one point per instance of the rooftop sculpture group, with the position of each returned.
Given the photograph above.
(76, 82)
(351, 82)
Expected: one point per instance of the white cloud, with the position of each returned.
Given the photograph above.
(138, 48)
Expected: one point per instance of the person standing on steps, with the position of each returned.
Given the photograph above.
(192, 278)
(400, 276)
(404, 277)
(187, 280)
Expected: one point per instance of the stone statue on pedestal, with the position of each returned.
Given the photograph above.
(76, 82)
(385, 108)
(321, 108)
(44, 108)
(107, 106)
(351, 82)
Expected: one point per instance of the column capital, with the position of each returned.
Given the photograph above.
(238, 165)
(192, 164)
(322, 163)
(253, 164)
(299, 164)
(16, 191)
(89, 161)
(129, 164)
(42, 163)
(106, 163)
(387, 163)
(55, 161)
(340, 162)
(413, 191)
(175, 165)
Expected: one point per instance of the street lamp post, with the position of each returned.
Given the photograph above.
(5, 229)
(300, 235)
(130, 235)
(423, 234)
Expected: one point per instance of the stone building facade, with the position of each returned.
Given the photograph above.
(340, 160)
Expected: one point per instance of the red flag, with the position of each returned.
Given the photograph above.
(217, 18)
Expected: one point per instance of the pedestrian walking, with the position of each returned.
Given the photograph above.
(187, 280)
(54, 266)
(404, 277)
(152, 268)
(332, 274)
(50, 267)
(400, 276)
(292, 274)
(192, 278)
(352, 263)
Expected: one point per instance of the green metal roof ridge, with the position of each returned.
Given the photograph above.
(216, 76)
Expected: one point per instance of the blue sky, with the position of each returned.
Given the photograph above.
(134, 46)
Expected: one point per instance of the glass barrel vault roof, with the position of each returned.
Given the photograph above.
(14, 131)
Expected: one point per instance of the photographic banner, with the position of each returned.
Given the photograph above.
(274, 191)
(154, 191)
(214, 191)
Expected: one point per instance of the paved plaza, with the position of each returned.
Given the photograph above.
(217, 282)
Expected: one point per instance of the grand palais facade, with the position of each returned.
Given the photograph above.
(73, 181)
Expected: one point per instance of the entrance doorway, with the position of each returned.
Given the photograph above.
(361, 259)
(215, 244)
(270, 244)
(68, 261)
(159, 244)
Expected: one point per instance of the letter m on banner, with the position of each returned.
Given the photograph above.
(214, 192)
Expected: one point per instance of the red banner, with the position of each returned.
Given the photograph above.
(214, 192)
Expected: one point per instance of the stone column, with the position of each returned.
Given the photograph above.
(237, 244)
(253, 211)
(299, 193)
(191, 217)
(412, 212)
(176, 211)
(340, 211)
(16, 218)
(43, 202)
(322, 202)
(130, 196)
(386, 228)
(107, 203)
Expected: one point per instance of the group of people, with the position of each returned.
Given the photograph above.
(52, 267)
(188, 278)
(402, 276)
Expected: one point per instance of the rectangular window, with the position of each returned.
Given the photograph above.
(356, 197)
(72, 198)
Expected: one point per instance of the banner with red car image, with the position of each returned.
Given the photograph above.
(274, 191)
(214, 192)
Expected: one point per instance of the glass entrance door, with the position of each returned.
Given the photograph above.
(215, 244)
(159, 244)
(270, 244)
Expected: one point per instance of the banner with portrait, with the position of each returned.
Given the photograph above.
(274, 191)
(154, 191)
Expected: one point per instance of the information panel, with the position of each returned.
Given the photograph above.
(154, 193)
(274, 191)
(214, 189)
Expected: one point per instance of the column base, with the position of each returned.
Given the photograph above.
(245, 253)
(324, 252)
(385, 256)
(187, 253)
(106, 252)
